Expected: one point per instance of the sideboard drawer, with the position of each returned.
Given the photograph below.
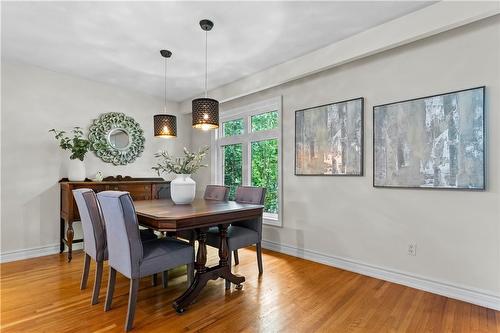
(137, 191)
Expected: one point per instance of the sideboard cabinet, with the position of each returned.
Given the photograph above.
(139, 188)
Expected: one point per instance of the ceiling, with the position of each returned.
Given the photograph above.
(119, 42)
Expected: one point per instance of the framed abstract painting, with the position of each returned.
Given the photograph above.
(329, 139)
(431, 142)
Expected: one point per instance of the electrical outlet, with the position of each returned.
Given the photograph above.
(412, 249)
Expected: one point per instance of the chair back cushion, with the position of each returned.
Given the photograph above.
(251, 195)
(122, 232)
(94, 234)
(216, 192)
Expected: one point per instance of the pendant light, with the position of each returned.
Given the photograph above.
(165, 125)
(205, 110)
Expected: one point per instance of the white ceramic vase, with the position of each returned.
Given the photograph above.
(76, 170)
(182, 189)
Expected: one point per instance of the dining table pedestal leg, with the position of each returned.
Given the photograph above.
(203, 273)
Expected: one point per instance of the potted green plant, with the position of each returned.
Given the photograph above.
(78, 145)
(183, 187)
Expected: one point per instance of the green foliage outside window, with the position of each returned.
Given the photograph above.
(233, 171)
(264, 164)
(265, 121)
(233, 127)
(265, 171)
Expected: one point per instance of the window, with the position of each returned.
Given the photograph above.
(247, 151)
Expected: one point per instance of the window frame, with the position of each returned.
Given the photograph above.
(218, 141)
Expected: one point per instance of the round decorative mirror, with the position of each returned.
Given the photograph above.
(116, 138)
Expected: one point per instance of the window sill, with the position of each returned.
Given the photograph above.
(271, 221)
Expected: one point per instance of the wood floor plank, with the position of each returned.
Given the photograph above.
(293, 295)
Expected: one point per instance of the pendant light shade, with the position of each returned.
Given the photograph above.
(205, 110)
(205, 113)
(165, 125)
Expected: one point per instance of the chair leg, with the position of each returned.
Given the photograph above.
(85, 275)
(97, 283)
(164, 279)
(190, 273)
(236, 259)
(132, 300)
(259, 257)
(111, 289)
(154, 280)
(228, 283)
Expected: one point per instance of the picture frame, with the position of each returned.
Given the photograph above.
(329, 139)
(453, 160)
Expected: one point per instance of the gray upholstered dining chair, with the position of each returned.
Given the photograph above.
(131, 257)
(94, 237)
(243, 233)
(216, 192)
(212, 192)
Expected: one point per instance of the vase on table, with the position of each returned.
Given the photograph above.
(182, 189)
(76, 170)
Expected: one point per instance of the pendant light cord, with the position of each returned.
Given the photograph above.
(206, 62)
(165, 85)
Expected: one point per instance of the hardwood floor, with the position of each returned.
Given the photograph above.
(293, 295)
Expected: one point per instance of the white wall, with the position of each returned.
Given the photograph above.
(35, 100)
(200, 138)
(346, 220)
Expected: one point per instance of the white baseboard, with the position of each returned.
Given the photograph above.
(462, 293)
(34, 252)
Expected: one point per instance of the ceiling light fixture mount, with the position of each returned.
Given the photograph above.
(206, 25)
(205, 111)
(165, 125)
(165, 53)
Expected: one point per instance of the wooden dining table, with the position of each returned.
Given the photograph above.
(163, 215)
